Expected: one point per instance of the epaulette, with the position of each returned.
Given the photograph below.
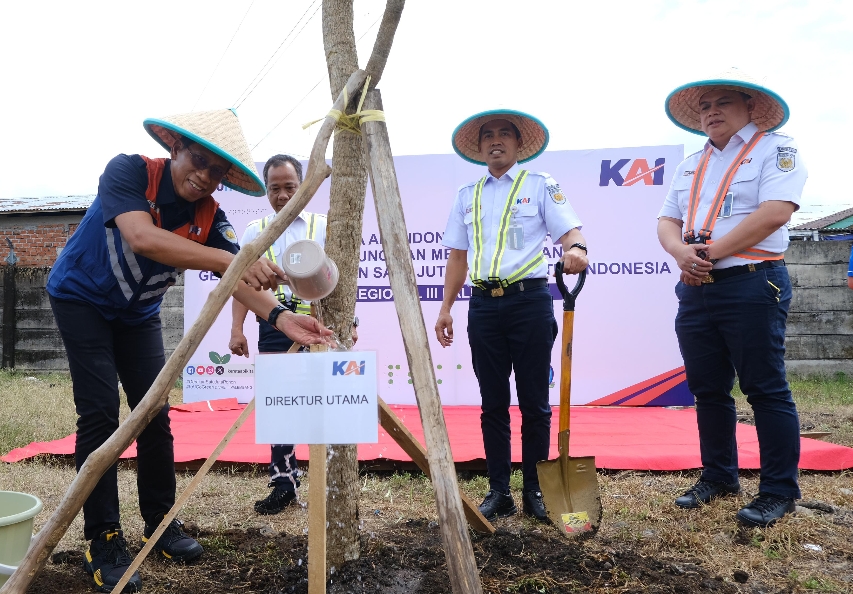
(699, 152)
(468, 185)
(782, 134)
(255, 222)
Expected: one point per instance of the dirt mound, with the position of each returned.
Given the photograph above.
(407, 559)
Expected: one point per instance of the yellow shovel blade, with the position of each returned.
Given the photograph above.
(570, 493)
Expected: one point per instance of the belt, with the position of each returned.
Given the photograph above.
(718, 275)
(516, 287)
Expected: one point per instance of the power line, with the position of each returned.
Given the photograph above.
(249, 88)
(308, 93)
(288, 114)
(223, 55)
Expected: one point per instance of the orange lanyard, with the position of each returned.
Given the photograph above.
(722, 190)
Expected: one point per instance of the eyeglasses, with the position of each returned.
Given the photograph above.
(201, 163)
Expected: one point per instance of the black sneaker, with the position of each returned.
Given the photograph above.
(497, 505)
(279, 498)
(534, 506)
(704, 491)
(766, 509)
(107, 559)
(174, 544)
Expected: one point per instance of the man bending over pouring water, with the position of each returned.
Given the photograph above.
(151, 218)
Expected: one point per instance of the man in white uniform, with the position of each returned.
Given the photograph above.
(496, 231)
(282, 176)
(725, 223)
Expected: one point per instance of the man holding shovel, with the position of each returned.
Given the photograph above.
(496, 231)
(282, 176)
(734, 292)
(151, 217)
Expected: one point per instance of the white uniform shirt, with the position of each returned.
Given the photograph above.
(297, 230)
(774, 171)
(541, 208)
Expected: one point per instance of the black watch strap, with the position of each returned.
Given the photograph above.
(581, 246)
(271, 319)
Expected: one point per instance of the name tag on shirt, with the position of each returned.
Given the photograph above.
(515, 237)
(726, 208)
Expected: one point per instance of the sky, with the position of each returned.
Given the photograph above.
(79, 78)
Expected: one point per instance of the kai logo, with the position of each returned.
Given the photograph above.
(347, 368)
(522, 200)
(639, 170)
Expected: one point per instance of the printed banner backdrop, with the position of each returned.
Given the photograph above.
(625, 351)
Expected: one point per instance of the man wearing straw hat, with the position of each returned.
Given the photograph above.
(724, 221)
(496, 231)
(151, 217)
(282, 176)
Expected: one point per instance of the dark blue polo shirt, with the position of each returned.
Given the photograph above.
(97, 265)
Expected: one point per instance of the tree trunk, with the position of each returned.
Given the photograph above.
(343, 242)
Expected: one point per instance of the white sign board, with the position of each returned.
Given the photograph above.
(316, 398)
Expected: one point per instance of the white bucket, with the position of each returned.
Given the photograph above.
(311, 273)
(17, 511)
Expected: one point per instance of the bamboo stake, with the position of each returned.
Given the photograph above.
(398, 431)
(461, 563)
(317, 461)
(182, 500)
(101, 459)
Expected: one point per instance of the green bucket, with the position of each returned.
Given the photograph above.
(17, 511)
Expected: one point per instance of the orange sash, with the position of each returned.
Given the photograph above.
(723, 189)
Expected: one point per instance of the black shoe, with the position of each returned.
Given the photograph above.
(106, 561)
(174, 544)
(497, 505)
(279, 498)
(765, 509)
(704, 491)
(533, 505)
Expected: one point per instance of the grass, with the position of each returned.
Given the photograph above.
(40, 407)
(638, 510)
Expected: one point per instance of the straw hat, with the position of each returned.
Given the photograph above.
(219, 132)
(682, 105)
(534, 134)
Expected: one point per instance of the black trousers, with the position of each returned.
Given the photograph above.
(513, 333)
(284, 471)
(100, 353)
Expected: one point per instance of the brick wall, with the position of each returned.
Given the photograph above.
(36, 244)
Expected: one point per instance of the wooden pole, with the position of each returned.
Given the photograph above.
(407, 442)
(461, 563)
(182, 500)
(101, 459)
(317, 460)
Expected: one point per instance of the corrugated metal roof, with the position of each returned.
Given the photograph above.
(825, 222)
(45, 204)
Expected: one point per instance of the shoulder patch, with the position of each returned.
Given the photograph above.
(786, 158)
(227, 231)
(555, 192)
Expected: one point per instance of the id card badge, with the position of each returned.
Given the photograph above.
(515, 237)
(726, 208)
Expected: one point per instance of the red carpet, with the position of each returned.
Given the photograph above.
(623, 438)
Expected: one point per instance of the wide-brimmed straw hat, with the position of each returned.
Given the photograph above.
(219, 132)
(534, 134)
(682, 105)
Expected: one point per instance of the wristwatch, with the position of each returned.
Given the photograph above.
(579, 245)
(275, 313)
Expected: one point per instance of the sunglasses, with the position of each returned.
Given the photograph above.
(201, 163)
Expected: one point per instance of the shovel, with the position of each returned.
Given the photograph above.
(569, 485)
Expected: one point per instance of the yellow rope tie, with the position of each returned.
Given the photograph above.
(352, 122)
